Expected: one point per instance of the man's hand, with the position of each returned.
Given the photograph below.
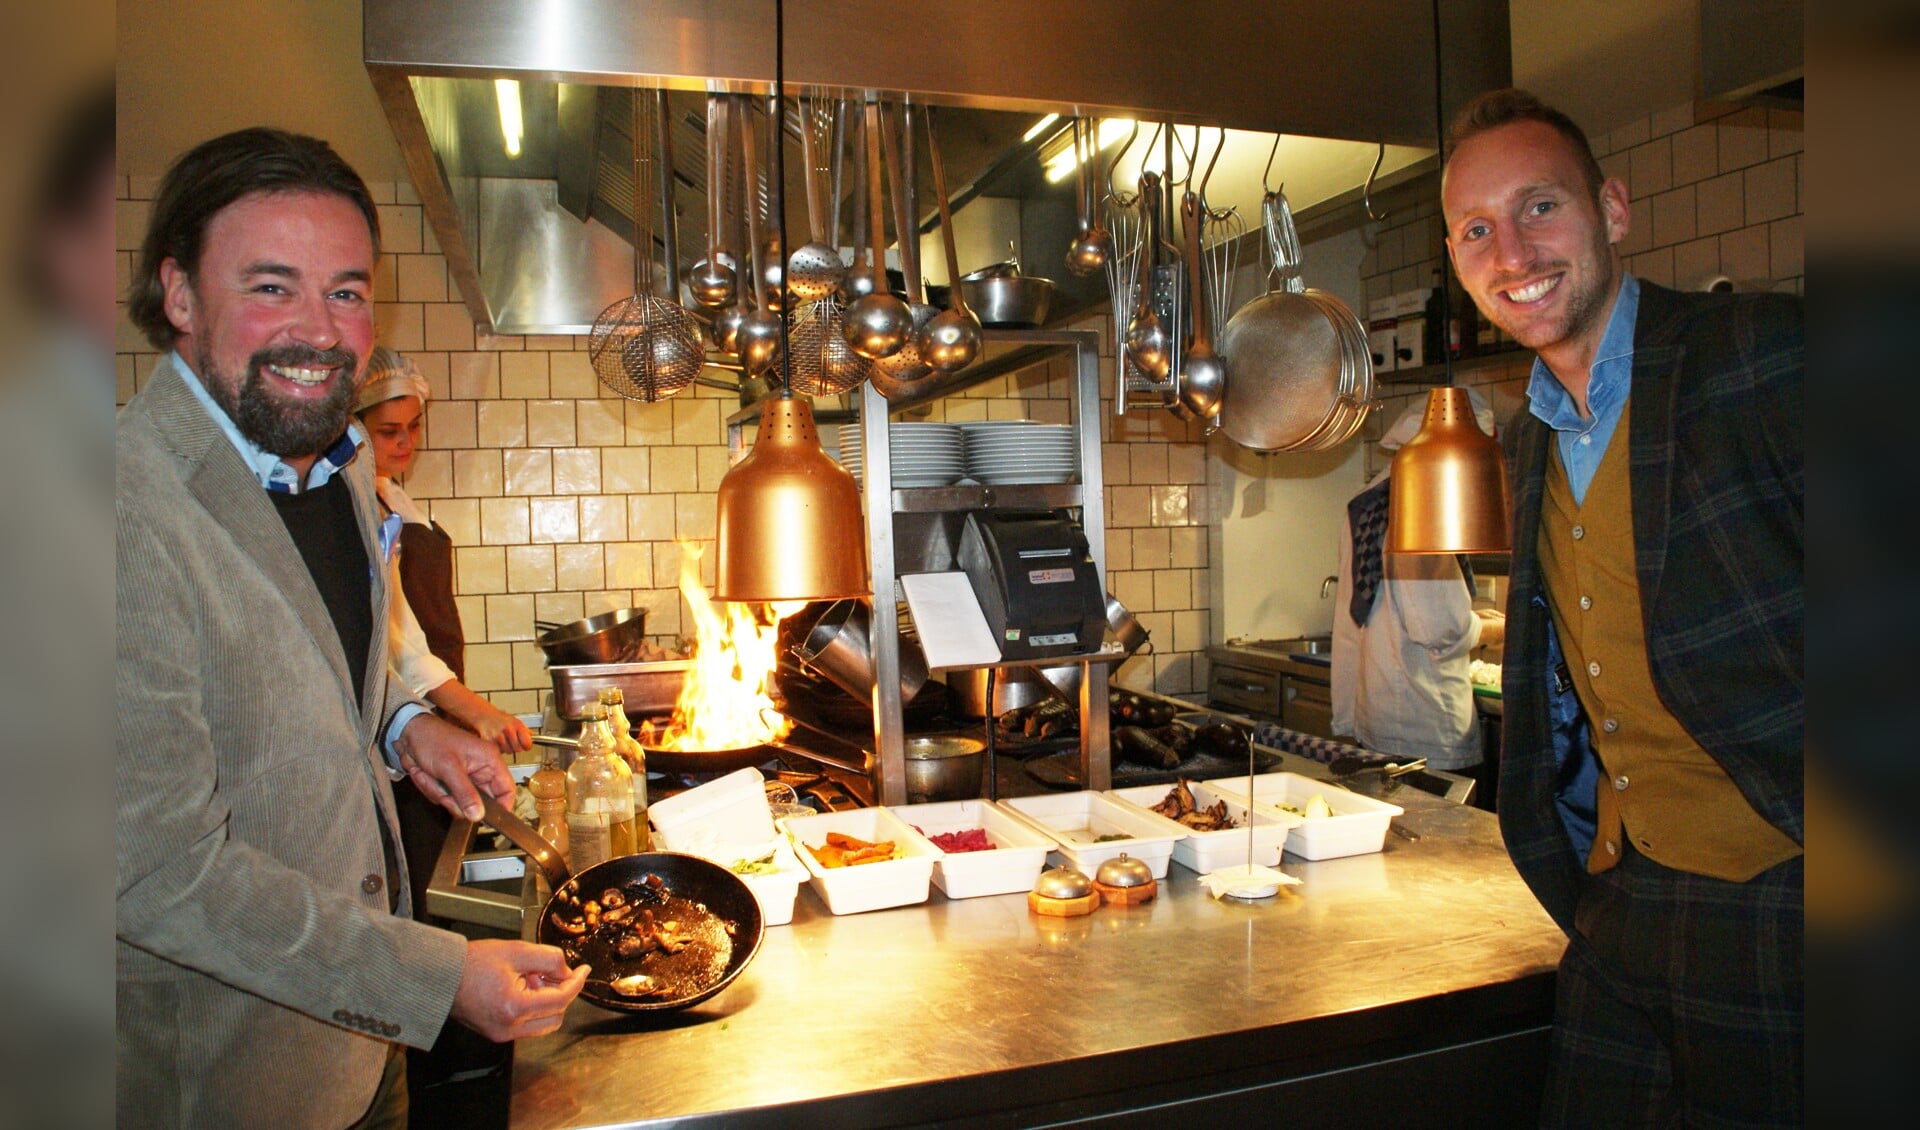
(453, 767)
(513, 989)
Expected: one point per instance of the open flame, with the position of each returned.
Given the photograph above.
(725, 703)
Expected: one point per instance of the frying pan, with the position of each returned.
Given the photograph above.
(724, 760)
(713, 906)
(1288, 354)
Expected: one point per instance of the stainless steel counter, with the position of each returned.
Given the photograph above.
(977, 1012)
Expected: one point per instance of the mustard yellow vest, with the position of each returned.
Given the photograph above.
(1657, 785)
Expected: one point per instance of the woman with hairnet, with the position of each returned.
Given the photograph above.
(428, 642)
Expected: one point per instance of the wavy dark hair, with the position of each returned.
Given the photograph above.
(211, 176)
(1498, 108)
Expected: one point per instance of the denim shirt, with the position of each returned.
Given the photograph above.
(1580, 441)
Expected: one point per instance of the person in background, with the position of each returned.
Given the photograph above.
(268, 971)
(57, 331)
(428, 643)
(1403, 641)
(461, 1080)
(1652, 772)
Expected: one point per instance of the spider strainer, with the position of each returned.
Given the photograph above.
(643, 346)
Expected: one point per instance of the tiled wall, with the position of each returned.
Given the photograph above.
(1715, 190)
(563, 499)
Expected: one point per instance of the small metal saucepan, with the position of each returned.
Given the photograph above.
(610, 637)
(716, 927)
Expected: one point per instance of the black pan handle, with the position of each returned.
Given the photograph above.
(528, 840)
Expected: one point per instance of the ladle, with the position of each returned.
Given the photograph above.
(726, 324)
(1147, 338)
(907, 365)
(760, 328)
(772, 263)
(1089, 250)
(1203, 375)
(710, 283)
(878, 324)
(951, 339)
(814, 270)
(823, 363)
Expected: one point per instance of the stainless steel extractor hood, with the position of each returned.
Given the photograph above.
(538, 242)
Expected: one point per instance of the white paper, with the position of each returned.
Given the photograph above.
(953, 630)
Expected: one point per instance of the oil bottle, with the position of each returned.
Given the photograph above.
(600, 822)
(635, 755)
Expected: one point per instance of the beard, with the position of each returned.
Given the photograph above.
(1590, 285)
(285, 427)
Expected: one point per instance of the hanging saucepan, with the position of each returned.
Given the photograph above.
(1286, 358)
(683, 930)
(610, 637)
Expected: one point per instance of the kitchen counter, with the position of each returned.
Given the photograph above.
(1384, 986)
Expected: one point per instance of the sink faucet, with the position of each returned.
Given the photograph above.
(1327, 587)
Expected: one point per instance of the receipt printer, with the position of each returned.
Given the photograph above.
(1036, 582)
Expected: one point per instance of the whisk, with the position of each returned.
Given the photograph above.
(644, 347)
(1221, 230)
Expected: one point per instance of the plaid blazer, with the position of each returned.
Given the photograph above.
(1718, 480)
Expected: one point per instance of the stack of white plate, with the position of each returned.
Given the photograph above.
(1019, 451)
(924, 455)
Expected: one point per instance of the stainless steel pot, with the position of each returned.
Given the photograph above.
(610, 637)
(1008, 300)
(1014, 687)
(837, 647)
(943, 768)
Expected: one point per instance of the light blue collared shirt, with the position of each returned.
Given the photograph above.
(1582, 442)
(274, 474)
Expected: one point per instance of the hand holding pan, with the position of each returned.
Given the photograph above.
(661, 930)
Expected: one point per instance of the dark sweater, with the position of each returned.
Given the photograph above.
(322, 523)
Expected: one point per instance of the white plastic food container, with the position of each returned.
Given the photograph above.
(727, 820)
(1202, 852)
(1358, 824)
(1076, 821)
(900, 881)
(1010, 866)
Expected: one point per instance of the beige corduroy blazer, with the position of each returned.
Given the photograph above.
(261, 976)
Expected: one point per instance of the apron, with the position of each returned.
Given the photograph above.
(426, 577)
(466, 1064)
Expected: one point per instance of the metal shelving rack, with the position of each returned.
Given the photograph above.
(918, 530)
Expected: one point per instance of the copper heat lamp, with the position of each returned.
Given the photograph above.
(790, 526)
(1448, 489)
(789, 520)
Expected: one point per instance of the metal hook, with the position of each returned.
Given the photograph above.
(1366, 194)
(1112, 189)
(1207, 178)
(1268, 171)
(1152, 139)
(1190, 158)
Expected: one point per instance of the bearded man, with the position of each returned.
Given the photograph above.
(268, 972)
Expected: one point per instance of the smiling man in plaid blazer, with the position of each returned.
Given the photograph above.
(1651, 777)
